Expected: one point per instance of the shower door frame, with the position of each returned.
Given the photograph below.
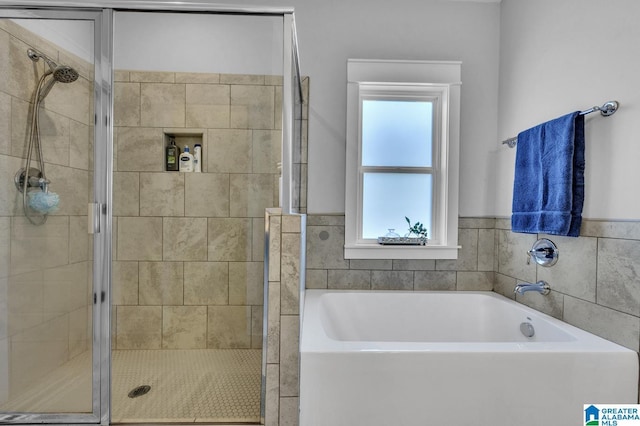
(101, 221)
(100, 210)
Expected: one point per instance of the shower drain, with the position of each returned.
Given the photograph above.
(139, 391)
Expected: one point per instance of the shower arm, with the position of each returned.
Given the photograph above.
(35, 56)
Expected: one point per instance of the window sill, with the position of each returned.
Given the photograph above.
(377, 251)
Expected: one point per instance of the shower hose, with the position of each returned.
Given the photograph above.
(34, 145)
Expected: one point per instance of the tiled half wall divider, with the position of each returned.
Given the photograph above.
(286, 250)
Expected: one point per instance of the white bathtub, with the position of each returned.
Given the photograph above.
(450, 358)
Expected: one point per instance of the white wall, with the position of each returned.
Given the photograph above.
(329, 32)
(180, 42)
(212, 43)
(561, 56)
(76, 36)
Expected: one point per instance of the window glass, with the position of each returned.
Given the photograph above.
(389, 197)
(397, 133)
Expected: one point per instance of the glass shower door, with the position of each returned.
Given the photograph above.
(48, 308)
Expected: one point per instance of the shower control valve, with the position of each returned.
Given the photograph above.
(35, 179)
(544, 252)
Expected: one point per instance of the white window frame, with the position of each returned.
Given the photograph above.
(421, 80)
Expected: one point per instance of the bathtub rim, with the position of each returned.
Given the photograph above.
(314, 339)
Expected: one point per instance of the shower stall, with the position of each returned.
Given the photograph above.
(130, 292)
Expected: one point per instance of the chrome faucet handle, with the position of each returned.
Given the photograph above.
(548, 251)
(544, 252)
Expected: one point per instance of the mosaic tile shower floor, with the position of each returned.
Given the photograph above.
(203, 385)
(197, 385)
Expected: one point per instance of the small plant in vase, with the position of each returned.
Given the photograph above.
(417, 230)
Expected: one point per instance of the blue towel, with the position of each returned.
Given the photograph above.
(548, 189)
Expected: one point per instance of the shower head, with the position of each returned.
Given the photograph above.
(61, 73)
(65, 74)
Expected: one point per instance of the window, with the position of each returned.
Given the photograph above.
(402, 156)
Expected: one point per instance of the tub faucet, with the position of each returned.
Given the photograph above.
(541, 287)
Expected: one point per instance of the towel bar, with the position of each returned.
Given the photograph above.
(609, 108)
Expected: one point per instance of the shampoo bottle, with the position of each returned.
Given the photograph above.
(197, 158)
(172, 155)
(186, 160)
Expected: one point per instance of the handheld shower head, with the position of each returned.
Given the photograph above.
(65, 74)
(61, 73)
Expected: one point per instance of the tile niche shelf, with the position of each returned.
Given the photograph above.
(187, 137)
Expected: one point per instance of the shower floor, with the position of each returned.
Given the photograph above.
(67, 389)
(195, 385)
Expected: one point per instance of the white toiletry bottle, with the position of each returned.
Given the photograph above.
(197, 158)
(186, 160)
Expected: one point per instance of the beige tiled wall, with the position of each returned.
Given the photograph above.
(285, 276)
(595, 285)
(188, 263)
(327, 267)
(45, 271)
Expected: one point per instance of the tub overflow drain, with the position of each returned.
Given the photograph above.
(139, 391)
(527, 329)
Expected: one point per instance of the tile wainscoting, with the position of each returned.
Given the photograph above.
(595, 284)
